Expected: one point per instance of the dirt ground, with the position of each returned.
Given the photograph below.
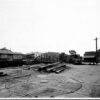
(89, 76)
(81, 81)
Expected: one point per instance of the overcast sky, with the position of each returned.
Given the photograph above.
(49, 25)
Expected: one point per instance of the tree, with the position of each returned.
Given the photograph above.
(62, 57)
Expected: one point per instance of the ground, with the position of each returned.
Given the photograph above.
(78, 81)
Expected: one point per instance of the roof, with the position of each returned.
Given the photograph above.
(7, 51)
(89, 54)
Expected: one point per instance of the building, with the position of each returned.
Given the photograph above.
(7, 57)
(48, 57)
(29, 58)
(98, 55)
(90, 56)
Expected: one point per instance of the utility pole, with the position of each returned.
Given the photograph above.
(96, 39)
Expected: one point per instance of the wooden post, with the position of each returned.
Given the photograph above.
(96, 39)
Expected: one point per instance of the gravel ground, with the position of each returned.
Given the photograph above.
(80, 81)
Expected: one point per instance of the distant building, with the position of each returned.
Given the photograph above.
(48, 57)
(7, 56)
(90, 56)
(98, 55)
(28, 58)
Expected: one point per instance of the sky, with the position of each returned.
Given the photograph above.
(49, 25)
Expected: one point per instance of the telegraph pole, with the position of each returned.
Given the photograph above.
(96, 39)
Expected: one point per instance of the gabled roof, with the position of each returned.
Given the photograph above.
(7, 51)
